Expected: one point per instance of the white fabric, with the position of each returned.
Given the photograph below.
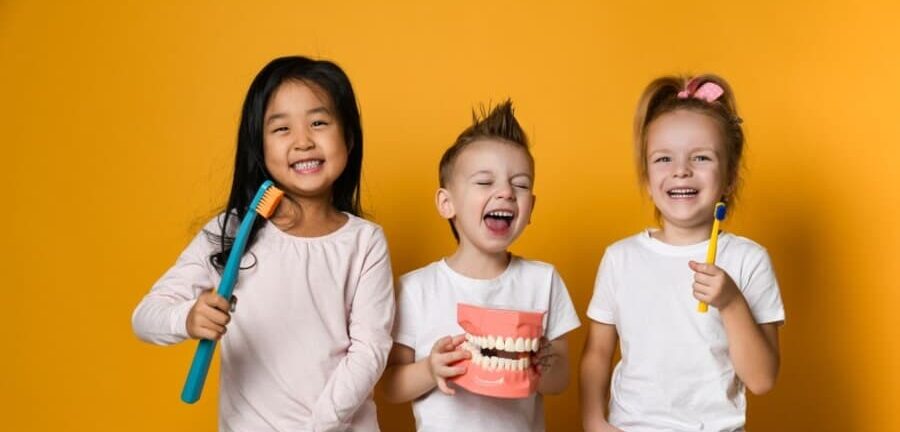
(310, 335)
(675, 373)
(426, 312)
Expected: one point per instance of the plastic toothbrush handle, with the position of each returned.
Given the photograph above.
(193, 387)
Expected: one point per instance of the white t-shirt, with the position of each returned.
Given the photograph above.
(675, 373)
(426, 312)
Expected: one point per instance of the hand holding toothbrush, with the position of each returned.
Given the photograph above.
(208, 316)
(713, 286)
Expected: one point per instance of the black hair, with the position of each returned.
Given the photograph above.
(249, 161)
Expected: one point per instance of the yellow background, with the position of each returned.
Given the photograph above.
(118, 124)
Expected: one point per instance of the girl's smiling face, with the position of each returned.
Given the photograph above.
(303, 142)
(685, 167)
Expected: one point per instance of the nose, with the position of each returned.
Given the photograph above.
(682, 169)
(505, 192)
(304, 142)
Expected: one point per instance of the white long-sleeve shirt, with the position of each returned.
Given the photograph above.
(310, 335)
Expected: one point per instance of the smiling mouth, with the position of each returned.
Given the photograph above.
(499, 220)
(681, 193)
(309, 165)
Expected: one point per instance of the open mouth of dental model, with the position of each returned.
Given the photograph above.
(499, 353)
(309, 165)
(682, 193)
(499, 220)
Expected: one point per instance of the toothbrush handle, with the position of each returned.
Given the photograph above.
(193, 386)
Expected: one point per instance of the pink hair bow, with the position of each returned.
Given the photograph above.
(708, 91)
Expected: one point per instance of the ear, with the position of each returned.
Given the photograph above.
(444, 204)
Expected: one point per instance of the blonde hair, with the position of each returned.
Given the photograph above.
(662, 96)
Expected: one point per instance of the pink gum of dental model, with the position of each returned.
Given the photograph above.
(493, 330)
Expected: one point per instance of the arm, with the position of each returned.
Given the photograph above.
(753, 347)
(369, 328)
(406, 379)
(596, 370)
(162, 315)
(553, 364)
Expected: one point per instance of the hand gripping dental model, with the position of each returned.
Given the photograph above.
(502, 342)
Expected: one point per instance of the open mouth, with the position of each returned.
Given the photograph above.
(499, 221)
(682, 193)
(307, 166)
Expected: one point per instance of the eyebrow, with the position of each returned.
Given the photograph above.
(316, 110)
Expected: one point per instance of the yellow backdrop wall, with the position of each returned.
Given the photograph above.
(118, 123)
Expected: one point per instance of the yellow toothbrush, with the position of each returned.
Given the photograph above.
(718, 215)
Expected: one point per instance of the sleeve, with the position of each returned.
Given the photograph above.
(161, 316)
(602, 307)
(562, 317)
(407, 316)
(761, 290)
(369, 327)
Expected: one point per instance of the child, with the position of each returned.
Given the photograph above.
(682, 370)
(486, 181)
(311, 333)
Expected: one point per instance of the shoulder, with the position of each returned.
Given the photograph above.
(626, 245)
(746, 248)
(420, 276)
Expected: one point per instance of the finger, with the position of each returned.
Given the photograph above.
(703, 279)
(443, 387)
(442, 344)
(215, 315)
(702, 296)
(454, 356)
(450, 371)
(709, 269)
(218, 302)
(703, 289)
(458, 340)
(210, 325)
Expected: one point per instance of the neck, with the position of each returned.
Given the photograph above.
(683, 235)
(307, 217)
(476, 264)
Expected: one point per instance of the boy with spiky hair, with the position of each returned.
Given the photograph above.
(486, 181)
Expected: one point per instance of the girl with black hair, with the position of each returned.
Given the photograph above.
(311, 335)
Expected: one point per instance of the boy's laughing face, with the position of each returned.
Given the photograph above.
(489, 195)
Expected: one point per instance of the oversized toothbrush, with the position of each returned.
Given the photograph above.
(264, 203)
(718, 216)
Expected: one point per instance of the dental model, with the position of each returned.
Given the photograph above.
(502, 342)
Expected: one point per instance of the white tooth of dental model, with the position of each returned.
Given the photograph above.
(520, 345)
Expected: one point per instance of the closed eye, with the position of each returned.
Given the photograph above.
(280, 129)
(662, 159)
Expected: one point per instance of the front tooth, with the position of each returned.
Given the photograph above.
(509, 345)
(535, 344)
(493, 363)
(490, 342)
(507, 364)
(527, 345)
(520, 364)
(520, 345)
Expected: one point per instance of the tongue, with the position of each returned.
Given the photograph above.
(496, 224)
